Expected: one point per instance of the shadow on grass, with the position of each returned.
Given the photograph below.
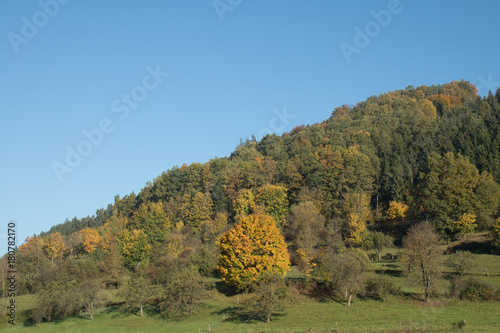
(390, 272)
(240, 316)
(222, 288)
(28, 319)
(118, 310)
(482, 246)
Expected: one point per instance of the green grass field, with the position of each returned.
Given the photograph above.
(395, 314)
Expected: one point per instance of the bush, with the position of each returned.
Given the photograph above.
(379, 287)
(472, 289)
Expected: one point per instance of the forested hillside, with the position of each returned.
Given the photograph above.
(318, 196)
(386, 148)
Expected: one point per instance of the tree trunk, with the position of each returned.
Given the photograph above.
(268, 317)
(379, 256)
(141, 310)
(349, 300)
(91, 316)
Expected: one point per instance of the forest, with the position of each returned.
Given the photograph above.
(392, 201)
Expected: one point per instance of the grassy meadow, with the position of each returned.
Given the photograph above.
(405, 313)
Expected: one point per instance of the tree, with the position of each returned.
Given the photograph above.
(397, 211)
(151, 219)
(134, 248)
(244, 204)
(56, 301)
(461, 261)
(252, 247)
(304, 225)
(465, 224)
(275, 201)
(211, 230)
(270, 296)
(54, 246)
(343, 271)
(197, 210)
(90, 238)
(450, 187)
(89, 295)
(350, 266)
(378, 240)
(421, 254)
(183, 290)
(357, 209)
(137, 291)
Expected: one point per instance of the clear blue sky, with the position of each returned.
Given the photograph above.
(67, 69)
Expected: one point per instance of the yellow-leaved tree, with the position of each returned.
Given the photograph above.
(397, 211)
(54, 246)
(357, 209)
(90, 239)
(254, 246)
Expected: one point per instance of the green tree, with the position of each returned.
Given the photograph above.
(254, 246)
(270, 296)
(134, 248)
(138, 291)
(54, 302)
(461, 261)
(183, 291)
(448, 189)
(89, 295)
(275, 201)
(151, 219)
(343, 271)
(378, 240)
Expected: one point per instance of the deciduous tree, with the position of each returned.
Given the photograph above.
(421, 253)
(254, 246)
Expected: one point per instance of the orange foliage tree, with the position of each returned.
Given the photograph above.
(254, 246)
(54, 246)
(90, 239)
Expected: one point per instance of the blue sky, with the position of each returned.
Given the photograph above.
(233, 66)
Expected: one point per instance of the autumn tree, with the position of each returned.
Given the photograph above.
(397, 211)
(466, 224)
(31, 263)
(90, 238)
(254, 246)
(244, 204)
(54, 246)
(151, 219)
(357, 209)
(134, 248)
(421, 254)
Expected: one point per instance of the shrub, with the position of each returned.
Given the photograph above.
(472, 289)
(379, 287)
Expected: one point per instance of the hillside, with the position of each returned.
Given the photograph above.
(380, 203)
(379, 147)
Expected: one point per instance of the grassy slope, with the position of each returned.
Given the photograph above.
(364, 316)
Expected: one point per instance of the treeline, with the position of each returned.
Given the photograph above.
(310, 198)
